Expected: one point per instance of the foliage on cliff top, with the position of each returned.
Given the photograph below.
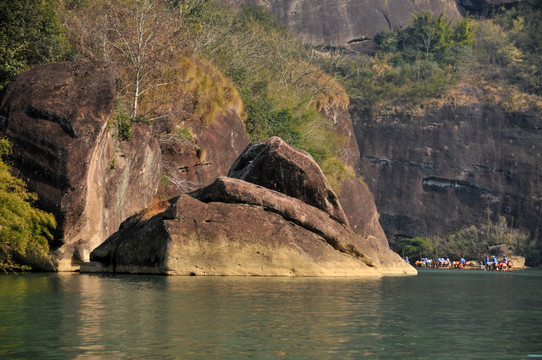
(433, 58)
(196, 90)
(508, 52)
(24, 229)
(411, 65)
(157, 75)
(30, 34)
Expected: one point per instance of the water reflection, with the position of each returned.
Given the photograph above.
(448, 315)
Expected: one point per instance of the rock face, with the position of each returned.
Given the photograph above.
(347, 23)
(355, 197)
(452, 168)
(57, 118)
(234, 227)
(192, 165)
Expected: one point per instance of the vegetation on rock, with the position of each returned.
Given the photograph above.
(30, 34)
(417, 65)
(175, 60)
(276, 74)
(24, 229)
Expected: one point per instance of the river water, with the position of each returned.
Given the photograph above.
(439, 314)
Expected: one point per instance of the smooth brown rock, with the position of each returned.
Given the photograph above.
(278, 166)
(359, 205)
(355, 197)
(57, 117)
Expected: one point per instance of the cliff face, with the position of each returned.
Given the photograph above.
(452, 168)
(356, 199)
(352, 24)
(57, 117)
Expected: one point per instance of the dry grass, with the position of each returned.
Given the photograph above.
(195, 90)
(324, 88)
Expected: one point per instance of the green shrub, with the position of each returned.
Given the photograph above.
(30, 34)
(185, 134)
(124, 126)
(24, 229)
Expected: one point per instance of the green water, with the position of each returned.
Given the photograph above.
(435, 315)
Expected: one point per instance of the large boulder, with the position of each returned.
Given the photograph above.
(57, 117)
(242, 229)
(278, 166)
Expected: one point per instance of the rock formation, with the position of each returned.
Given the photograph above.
(453, 167)
(345, 23)
(57, 117)
(277, 166)
(234, 227)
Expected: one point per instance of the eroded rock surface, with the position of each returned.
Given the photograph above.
(192, 165)
(57, 118)
(355, 197)
(452, 168)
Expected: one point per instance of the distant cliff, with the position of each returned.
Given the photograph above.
(351, 24)
(354, 24)
(453, 167)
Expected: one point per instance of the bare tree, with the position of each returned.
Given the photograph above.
(139, 36)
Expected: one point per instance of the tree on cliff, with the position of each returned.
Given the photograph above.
(23, 228)
(429, 37)
(140, 36)
(30, 34)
